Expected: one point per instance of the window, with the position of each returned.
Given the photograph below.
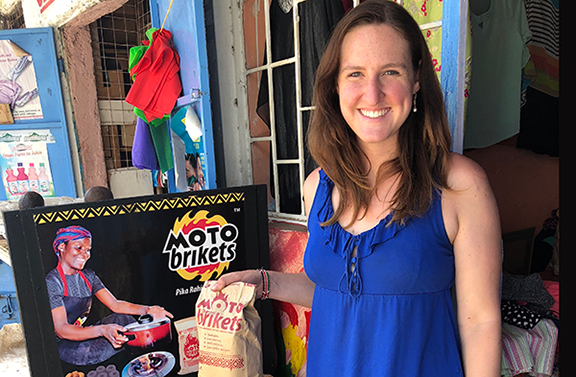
(112, 37)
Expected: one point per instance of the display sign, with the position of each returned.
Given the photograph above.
(146, 254)
(18, 86)
(24, 163)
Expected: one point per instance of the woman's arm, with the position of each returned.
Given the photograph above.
(474, 227)
(293, 288)
(125, 307)
(288, 287)
(64, 330)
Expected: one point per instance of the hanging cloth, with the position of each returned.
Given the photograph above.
(157, 84)
(317, 19)
(143, 151)
(543, 68)
(155, 89)
(499, 53)
(136, 54)
(540, 116)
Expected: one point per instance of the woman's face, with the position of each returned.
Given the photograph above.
(74, 254)
(190, 171)
(376, 84)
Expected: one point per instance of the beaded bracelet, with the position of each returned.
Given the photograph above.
(265, 284)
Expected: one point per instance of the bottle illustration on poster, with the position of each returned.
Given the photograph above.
(33, 179)
(24, 163)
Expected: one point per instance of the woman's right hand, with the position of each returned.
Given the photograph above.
(246, 276)
(294, 288)
(113, 333)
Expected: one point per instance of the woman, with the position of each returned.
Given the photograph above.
(192, 178)
(71, 288)
(395, 220)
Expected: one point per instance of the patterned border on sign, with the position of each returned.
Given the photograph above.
(148, 206)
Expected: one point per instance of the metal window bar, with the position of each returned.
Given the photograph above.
(269, 66)
(113, 35)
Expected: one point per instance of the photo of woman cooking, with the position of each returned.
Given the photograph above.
(71, 288)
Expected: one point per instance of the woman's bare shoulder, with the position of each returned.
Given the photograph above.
(469, 196)
(309, 189)
(465, 174)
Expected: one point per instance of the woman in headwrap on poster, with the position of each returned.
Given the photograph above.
(70, 290)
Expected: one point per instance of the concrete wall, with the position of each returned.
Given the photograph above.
(526, 184)
(71, 18)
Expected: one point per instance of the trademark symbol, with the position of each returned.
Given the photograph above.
(236, 209)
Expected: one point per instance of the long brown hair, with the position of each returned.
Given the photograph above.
(424, 139)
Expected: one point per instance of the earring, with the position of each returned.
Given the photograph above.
(414, 109)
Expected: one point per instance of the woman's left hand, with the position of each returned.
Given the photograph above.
(158, 312)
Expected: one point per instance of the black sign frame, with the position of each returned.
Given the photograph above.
(131, 231)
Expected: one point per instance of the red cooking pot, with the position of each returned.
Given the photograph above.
(148, 333)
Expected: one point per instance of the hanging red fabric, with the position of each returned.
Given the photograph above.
(157, 84)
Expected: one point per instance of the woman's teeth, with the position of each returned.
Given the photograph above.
(373, 114)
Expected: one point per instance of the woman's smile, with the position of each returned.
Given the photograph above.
(374, 113)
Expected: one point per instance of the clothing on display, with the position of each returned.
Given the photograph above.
(499, 53)
(143, 152)
(543, 68)
(540, 115)
(317, 19)
(157, 84)
(529, 351)
(385, 309)
(156, 87)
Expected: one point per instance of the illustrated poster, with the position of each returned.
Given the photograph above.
(18, 86)
(24, 163)
(152, 251)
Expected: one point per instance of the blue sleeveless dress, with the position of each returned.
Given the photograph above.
(388, 311)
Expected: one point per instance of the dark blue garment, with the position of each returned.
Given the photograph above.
(92, 351)
(388, 311)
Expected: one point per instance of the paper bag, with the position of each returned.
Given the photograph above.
(229, 332)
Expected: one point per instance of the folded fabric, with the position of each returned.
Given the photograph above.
(143, 152)
(529, 289)
(157, 84)
(553, 287)
(161, 140)
(153, 122)
(529, 351)
(519, 315)
(137, 52)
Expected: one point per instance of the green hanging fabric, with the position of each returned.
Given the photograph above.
(137, 52)
(161, 141)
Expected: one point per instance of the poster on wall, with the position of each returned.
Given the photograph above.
(133, 267)
(24, 163)
(18, 86)
(188, 150)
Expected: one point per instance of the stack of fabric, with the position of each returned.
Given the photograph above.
(530, 326)
(154, 67)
